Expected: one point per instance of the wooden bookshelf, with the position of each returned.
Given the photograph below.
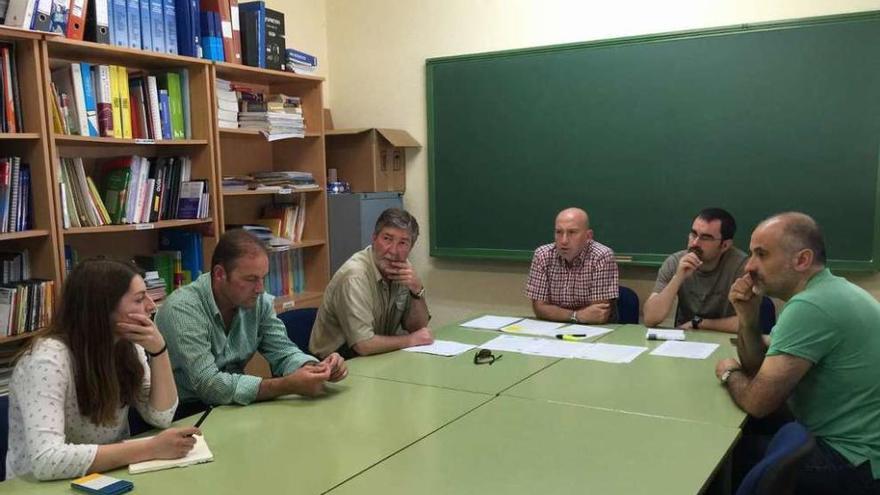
(32, 145)
(23, 336)
(245, 151)
(126, 241)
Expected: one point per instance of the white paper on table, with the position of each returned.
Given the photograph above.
(534, 327)
(612, 353)
(690, 350)
(664, 334)
(536, 346)
(198, 455)
(585, 330)
(490, 322)
(441, 348)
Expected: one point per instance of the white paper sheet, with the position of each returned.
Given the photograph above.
(199, 454)
(534, 327)
(491, 322)
(536, 346)
(664, 334)
(690, 350)
(585, 330)
(612, 353)
(441, 348)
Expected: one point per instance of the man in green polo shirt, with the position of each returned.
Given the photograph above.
(214, 326)
(823, 358)
(375, 302)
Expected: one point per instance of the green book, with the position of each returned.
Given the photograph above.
(171, 83)
(115, 188)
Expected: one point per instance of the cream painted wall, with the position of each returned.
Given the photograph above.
(378, 50)
(305, 28)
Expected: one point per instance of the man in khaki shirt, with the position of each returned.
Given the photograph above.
(375, 302)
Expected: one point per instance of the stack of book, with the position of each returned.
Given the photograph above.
(227, 105)
(156, 286)
(135, 190)
(277, 116)
(105, 100)
(282, 182)
(26, 304)
(10, 100)
(300, 62)
(15, 195)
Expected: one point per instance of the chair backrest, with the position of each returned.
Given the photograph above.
(768, 315)
(4, 434)
(776, 473)
(627, 306)
(299, 324)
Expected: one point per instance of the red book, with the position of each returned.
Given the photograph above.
(7, 89)
(236, 32)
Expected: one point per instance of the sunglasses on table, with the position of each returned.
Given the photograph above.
(485, 356)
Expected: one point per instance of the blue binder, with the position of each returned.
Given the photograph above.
(258, 9)
(146, 30)
(134, 24)
(188, 28)
(157, 20)
(119, 22)
(170, 27)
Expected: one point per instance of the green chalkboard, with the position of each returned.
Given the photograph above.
(644, 132)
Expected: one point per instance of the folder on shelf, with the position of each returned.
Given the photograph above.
(116, 101)
(98, 21)
(133, 16)
(20, 13)
(188, 28)
(76, 19)
(59, 15)
(252, 16)
(236, 32)
(157, 21)
(119, 23)
(124, 102)
(42, 17)
(146, 28)
(76, 77)
(170, 15)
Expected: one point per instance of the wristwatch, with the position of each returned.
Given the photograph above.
(574, 317)
(726, 375)
(695, 322)
(418, 295)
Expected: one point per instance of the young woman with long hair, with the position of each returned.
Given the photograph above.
(71, 388)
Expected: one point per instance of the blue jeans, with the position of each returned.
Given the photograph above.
(825, 471)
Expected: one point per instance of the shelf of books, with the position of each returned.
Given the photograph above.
(132, 148)
(271, 160)
(29, 267)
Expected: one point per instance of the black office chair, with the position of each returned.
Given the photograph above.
(299, 324)
(627, 306)
(4, 434)
(767, 317)
(776, 474)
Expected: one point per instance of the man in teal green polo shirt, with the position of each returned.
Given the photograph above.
(823, 358)
(214, 326)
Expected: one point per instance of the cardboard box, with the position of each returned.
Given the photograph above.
(371, 160)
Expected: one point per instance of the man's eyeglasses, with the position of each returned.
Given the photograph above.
(485, 356)
(702, 237)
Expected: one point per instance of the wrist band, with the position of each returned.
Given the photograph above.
(158, 353)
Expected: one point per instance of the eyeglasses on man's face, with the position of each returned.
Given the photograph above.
(702, 237)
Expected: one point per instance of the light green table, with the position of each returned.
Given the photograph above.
(518, 446)
(297, 445)
(659, 386)
(457, 373)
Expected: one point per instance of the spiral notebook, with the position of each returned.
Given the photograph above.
(198, 455)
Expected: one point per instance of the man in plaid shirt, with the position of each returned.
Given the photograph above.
(575, 278)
